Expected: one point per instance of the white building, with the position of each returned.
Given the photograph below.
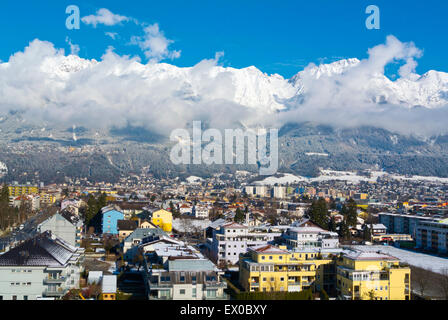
(176, 271)
(201, 212)
(232, 239)
(433, 235)
(311, 237)
(41, 267)
(402, 223)
(279, 192)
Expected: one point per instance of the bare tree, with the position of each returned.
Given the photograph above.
(444, 283)
(422, 278)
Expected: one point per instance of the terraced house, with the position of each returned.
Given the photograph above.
(41, 267)
(372, 276)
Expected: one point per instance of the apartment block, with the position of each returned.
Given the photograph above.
(372, 276)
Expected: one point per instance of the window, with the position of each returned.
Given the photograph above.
(182, 291)
(193, 278)
(211, 293)
(14, 297)
(25, 297)
(193, 293)
(270, 257)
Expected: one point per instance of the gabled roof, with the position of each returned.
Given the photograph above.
(234, 225)
(126, 225)
(141, 233)
(268, 248)
(42, 250)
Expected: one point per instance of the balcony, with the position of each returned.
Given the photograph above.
(55, 280)
(56, 292)
(215, 284)
(161, 285)
(255, 284)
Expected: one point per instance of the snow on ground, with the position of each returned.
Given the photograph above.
(286, 178)
(420, 178)
(181, 224)
(194, 179)
(417, 259)
(352, 177)
(316, 154)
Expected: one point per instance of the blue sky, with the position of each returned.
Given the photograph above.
(275, 36)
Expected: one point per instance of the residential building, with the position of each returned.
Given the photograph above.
(268, 268)
(232, 239)
(63, 227)
(402, 223)
(41, 267)
(108, 287)
(372, 275)
(176, 271)
(136, 238)
(278, 192)
(200, 212)
(125, 228)
(310, 237)
(110, 217)
(433, 235)
(163, 219)
(16, 190)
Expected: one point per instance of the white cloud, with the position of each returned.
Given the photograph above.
(74, 48)
(112, 35)
(155, 45)
(46, 85)
(106, 17)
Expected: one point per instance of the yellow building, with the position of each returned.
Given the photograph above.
(372, 275)
(270, 268)
(108, 296)
(163, 219)
(47, 198)
(17, 190)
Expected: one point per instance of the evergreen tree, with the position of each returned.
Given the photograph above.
(332, 224)
(344, 231)
(318, 213)
(4, 194)
(239, 216)
(92, 209)
(350, 213)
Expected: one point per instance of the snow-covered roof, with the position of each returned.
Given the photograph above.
(42, 250)
(109, 284)
(268, 249)
(94, 277)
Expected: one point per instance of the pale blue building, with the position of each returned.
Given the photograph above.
(110, 219)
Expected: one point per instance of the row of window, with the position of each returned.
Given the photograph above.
(21, 270)
(18, 283)
(15, 298)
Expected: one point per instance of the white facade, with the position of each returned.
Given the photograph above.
(433, 236)
(201, 212)
(311, 237)
(233, 239)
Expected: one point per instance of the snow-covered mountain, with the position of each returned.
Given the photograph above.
(46, 87)
(252, 88)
